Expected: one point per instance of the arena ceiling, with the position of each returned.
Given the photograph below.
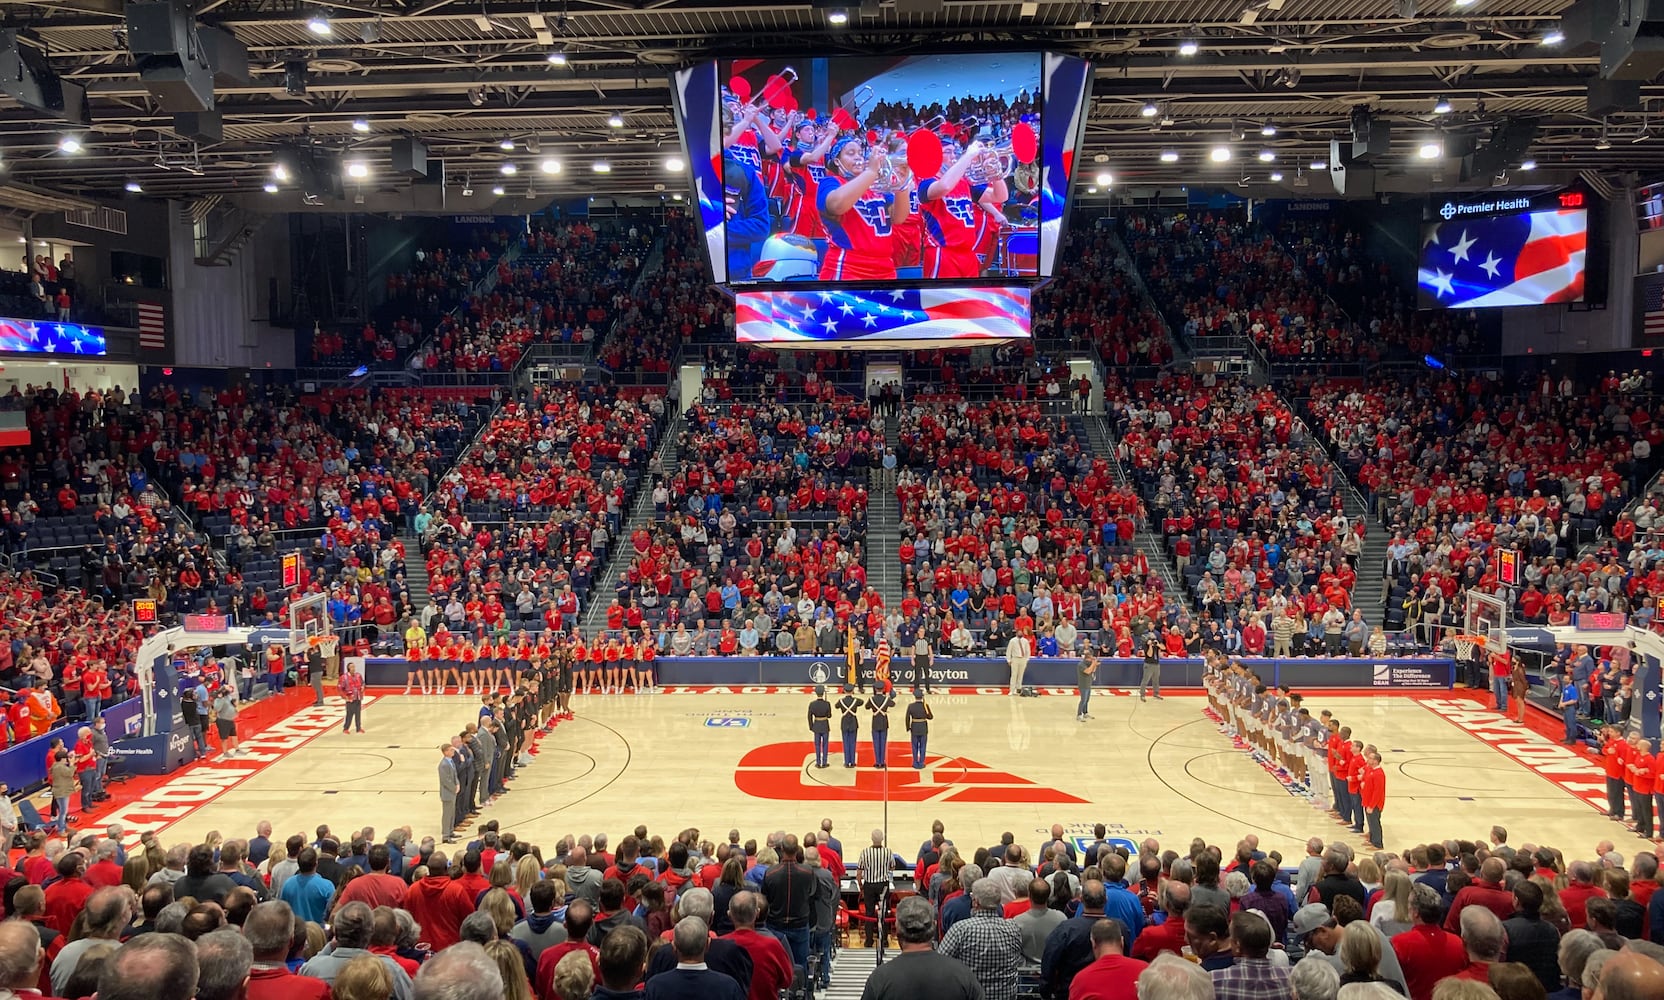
(464, 76)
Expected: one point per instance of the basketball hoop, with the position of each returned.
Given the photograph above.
(327, 642)
(1468, 645)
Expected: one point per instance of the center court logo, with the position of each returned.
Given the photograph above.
(777, 771)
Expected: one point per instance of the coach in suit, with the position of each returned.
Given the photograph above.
(449, 788)
(692, 979)
(464, 777)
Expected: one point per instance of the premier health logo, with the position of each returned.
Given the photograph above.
(1448, 211)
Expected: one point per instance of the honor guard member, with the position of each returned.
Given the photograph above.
(820, 726)
(918, 727)
(850, 723)
(880, 703)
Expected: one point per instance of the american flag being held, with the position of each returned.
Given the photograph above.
(886, 314)
(1508, 260)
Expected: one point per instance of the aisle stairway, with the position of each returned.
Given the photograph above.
(641, 515)
(884, 532)
(415, 574)
(1369, 594)
(850, 972)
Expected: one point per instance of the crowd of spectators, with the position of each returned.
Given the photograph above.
(1458, 470)
(1092, 304)
(364, 916)
(677, 305)
(1251, 511)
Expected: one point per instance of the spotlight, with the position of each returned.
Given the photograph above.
(1319, 165)
(1528, 164)
(1268, 130)
(616, 121)
(1603, 143)
(1105, 179)
(1441, 107)
(318, 24)
(509, 169)
(270, 186)
(557, 57)
(1169, 156)
(1266, 156)
(838, 17)
(476, 96)
(1430, 150)
(498, 190)
(1149, 110)
(675, 165)
(1220, 154)
(1466, 3)
(1276, 175)
(358, 169)
(507, 145)
(295, 78)
(1188, 47)
(134, 187)
(676, 197)
(1091, 190)
(69, 144)
(601, 167)
(360, 125)
(1553, 36)
(550, 166)
(280, 172)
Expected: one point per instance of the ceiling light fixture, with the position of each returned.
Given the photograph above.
(616, 121)
(676, 197)
(1105, 179)
(360, 125)
(1266, 155)
(318, 24)
(1319, 165)
(601, 167)
(1528, 164)
(509, 169)
(1149, 110)
(1220, 154)
(358, 169)
(837, 17)
(280, 172)
(1276, 175)
(1441, 106)
(133, 186)
(1188, 47)
(675, 165)
(550, 166)
(1169, 156)
(1430, 150)
(1553, 36)
(1268, 130)
(557, 57)
(507, 145)
(69, 144)
(271, 187)
(498, 190)
(476, 96)
(1091, 190)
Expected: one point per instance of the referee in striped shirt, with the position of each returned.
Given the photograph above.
(874, 871)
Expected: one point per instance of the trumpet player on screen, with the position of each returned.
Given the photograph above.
(860, 209)
(954, 205)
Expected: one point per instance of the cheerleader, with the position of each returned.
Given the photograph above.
(413, 664)
(449, 658)
(613, 654)
(467, 658)
(647, 655)
(627, 664)
(506, 663)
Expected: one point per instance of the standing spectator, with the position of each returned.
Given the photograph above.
(988, 943)
(308, 893)
(1112, 975)
(1251, 976)
(692, 979)
(919, 972)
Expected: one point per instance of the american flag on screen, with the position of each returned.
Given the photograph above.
(894, 314)
(1652, 304)
(1507, 260)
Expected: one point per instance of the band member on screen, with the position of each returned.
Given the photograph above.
(859, 219)
(955, 223)
(746, 206)
(802, 171)
(909, 235)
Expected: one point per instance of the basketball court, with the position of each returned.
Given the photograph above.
(720, 758)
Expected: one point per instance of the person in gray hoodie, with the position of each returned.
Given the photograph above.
(542, 927)
(583, 881)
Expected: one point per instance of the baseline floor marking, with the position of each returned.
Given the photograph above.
(1575, 773)
(206, 780)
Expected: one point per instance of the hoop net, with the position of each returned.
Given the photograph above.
(1469, 647)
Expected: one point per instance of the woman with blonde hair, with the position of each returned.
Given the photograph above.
(1360, 954)
(499, 906)
(1369, 873)
(502, 877)
(1553, 912)
(527, 873)
(1391, 915)
(516, 985)
(364, 978)
(316, 940)
(574, 979)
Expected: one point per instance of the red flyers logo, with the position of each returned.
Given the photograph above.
(783, 771)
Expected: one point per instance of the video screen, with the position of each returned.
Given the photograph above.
(915, 318)
(947, 167)
(1530, 256)
(44, 336)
